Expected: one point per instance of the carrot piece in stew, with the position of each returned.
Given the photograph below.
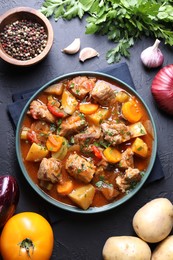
(54, 143)
(131, 111)
(88, 108)
(65, 188)
(112, 155)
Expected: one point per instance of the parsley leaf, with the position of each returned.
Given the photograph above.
(123, 21)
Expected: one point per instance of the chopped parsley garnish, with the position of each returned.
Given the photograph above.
(99, 184)
(124, 22)
(142, 131)
(52, 127)
(101, 178)
(79, 171)
(71, 85)
(109, 133)
(140, 148)
(72, 140)
(82, 116)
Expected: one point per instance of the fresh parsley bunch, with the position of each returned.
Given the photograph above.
(123, 21)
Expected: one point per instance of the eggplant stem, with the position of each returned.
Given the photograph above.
(27, 244)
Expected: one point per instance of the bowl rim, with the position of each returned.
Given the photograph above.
(67, 207)
(50, 34)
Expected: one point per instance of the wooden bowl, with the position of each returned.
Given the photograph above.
(31, 14)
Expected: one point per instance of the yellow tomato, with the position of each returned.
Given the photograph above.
(25, 236)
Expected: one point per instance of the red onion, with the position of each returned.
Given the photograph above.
(162, 89)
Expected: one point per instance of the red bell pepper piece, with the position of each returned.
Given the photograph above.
(32, 136)
(97, 152)
(55, 111)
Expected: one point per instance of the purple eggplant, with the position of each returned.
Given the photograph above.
(9, 197)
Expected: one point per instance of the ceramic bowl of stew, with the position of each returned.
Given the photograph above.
(86, 142)
(26, 36)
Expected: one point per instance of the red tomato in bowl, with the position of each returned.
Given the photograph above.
(27, 235)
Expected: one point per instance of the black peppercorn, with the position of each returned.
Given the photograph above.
(23, 39)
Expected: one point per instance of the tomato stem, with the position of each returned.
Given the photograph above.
(27, 244)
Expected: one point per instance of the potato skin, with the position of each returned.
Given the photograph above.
(154, 221)
(164, 250)
(126, 248)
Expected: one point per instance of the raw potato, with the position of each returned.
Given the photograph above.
(154, 221)
(164, 250)
(126, 248)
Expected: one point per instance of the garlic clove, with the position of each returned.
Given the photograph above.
(152, 56)
(73, 47)
(87, 53)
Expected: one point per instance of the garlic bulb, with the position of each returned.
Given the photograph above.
(152, 56)
(87, 53)
(73, 47)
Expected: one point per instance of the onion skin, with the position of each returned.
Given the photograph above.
(162, 89)
(9, 197)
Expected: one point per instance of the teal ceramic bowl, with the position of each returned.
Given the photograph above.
(91, 210)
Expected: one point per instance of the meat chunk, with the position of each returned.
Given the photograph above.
(127, 159)
(131, 176)
(38, 110)
(50, 170)
(103, 93)
(108, 191)
(87, 138)
(40, 130)
(81, 86)
(73, 124)
(91, 133)
(79, 168)
(115, 133)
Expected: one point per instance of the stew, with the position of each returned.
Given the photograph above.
(86, 142)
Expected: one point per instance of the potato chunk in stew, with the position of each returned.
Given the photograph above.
(83, 196)
(36, 153)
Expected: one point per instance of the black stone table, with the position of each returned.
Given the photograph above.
(81, 237)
